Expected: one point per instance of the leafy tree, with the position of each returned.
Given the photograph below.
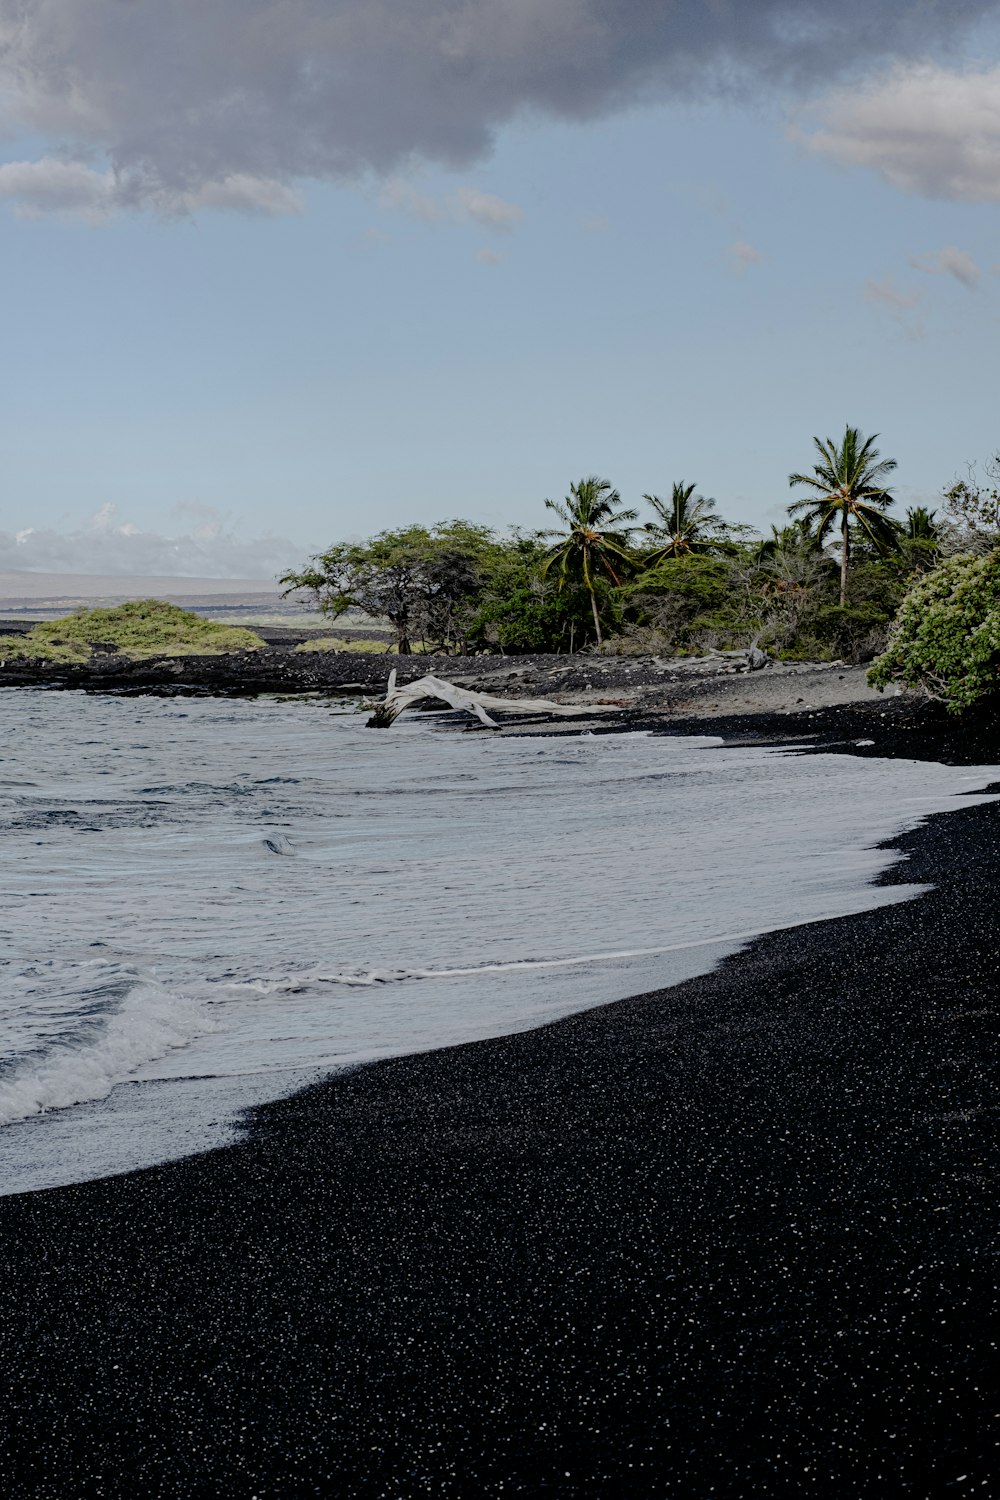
(686, 525)
(946, 636)
(422, 581)
(972, 507)
(593, 545)
(678, 598)
(792, 578)
(379, 576)
(532, 618)
(849, 495)
(457, 557)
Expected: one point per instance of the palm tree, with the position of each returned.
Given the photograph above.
(792, 553)
(687, 524)
(593, 543)
(847, 481)
(921, 524)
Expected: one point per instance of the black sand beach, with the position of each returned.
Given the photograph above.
(736, 1239)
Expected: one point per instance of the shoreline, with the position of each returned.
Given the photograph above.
(784, 702)
(732, 1238)
(628, 684)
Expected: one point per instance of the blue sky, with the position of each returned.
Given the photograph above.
(669, 289)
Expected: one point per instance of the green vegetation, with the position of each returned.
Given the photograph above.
(422, 580)
(946, 637)
(30, 648)
(593, 545)
(143, 627)
(363, 644)
(687, 525)
(825, 586)
(848, 496)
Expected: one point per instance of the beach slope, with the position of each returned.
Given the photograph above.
(736, 1238)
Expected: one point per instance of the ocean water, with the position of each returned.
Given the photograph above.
(208, 904)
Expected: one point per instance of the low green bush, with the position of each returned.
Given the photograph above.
(142, 627)
(945, 638)
(26, 648)
(344, 643)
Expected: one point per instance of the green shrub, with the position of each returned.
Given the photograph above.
(142, 627)
(25, 648)
(540, 619)
(855, 633)
(945, 638)
(345, 643)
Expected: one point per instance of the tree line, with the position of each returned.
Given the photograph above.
(677, 577)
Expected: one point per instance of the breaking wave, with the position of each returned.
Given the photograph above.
(112, 1034)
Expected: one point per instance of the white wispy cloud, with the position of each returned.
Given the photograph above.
(903, 305)
(230, 104)
(404, 196)
(205, 545)
(741, 255)
(950, 262)
(926, 129)
(487, 209)
(888, 292)
(464, 205)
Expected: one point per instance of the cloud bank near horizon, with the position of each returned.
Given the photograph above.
(181, 105)
(104, 546)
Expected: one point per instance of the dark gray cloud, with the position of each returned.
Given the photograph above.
(195, 102)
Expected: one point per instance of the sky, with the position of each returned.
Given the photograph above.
(283, 272)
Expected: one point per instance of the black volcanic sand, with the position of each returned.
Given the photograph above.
(734, 1239)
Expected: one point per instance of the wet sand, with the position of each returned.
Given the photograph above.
(733, 1239)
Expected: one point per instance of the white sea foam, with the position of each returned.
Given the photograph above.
(295, 984)
(162, 964)
(149, 1022)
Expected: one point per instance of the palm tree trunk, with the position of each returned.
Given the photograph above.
(845, 555)
(597, 618)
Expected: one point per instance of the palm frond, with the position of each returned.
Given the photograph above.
(816, 483)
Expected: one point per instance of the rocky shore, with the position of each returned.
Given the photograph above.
(646, 684)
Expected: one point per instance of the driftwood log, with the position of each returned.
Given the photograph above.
(435, 690)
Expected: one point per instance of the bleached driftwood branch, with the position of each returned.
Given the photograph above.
(435, 690)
